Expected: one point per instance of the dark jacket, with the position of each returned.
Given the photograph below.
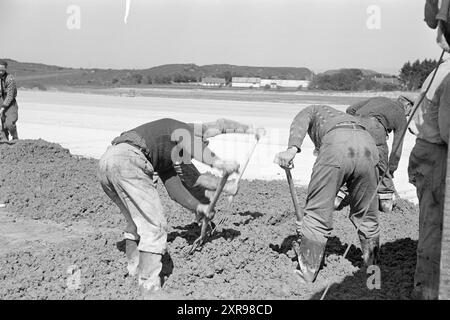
(391, 115)
(8, 91)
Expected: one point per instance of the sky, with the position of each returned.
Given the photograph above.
(379, 35)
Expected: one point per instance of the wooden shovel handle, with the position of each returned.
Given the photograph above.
(298, 210)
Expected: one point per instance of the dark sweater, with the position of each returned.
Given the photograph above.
(162, 143)
(391, 115)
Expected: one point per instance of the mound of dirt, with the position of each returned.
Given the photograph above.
(42, 180)
(248, 257)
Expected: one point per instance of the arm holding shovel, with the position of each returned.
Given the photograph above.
(285, 160)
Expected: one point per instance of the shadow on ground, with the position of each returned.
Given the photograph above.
(398, 260)
(191, 232)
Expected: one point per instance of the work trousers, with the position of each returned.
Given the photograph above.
(9, 127)
(127, 178)
(427, 171)
(346, 156)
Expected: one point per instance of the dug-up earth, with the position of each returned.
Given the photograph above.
(60, 238)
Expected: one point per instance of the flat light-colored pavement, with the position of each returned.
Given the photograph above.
(86, 123)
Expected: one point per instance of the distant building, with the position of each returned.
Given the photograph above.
(213, 82)
(387, 79)
(242, 82)
(279, 83)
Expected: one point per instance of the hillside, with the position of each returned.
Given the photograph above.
(41, 75)
(365, 72)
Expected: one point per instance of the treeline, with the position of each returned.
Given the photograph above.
(138, 78)
(412, 75)
(351, 80)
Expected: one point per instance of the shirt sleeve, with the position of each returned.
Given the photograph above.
(299, 127)
(194, 147)
(177, 191)
(10, 89)
(355, 107)
(223, 126)
(444, 111)
(397, 143)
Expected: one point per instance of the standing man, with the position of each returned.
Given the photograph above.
(8, 108)
(346, 154)
(126, 173)
(427, 171)
(381, 116)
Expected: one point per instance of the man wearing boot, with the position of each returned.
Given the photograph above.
(427, 172)
(126, 172)
(346, 154)
(8, 107)
(381, 116)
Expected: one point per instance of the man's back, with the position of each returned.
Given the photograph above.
(316, 120)
(389, 112)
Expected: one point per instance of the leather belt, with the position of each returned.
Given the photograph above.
(348, 125)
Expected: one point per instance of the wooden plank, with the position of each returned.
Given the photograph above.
(444, 281)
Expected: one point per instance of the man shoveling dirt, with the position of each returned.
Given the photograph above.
(380, 116)
(126, 172)
(346, 154)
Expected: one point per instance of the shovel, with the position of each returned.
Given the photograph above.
(258, 137)
(260, 133)
(210, 214)
(298, 209)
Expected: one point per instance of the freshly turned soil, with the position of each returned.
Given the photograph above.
(248, 257)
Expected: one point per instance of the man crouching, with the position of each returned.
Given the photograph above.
(346, 154)
(126, 173)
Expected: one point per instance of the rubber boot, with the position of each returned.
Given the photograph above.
(150, 267)
(3, 136)
(386, 202)
(132, 253)
(13, 133)
(422, 293)
(342, 200)
(310, 255)
(370, 249)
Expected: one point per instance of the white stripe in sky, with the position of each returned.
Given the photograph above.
(127, 10)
